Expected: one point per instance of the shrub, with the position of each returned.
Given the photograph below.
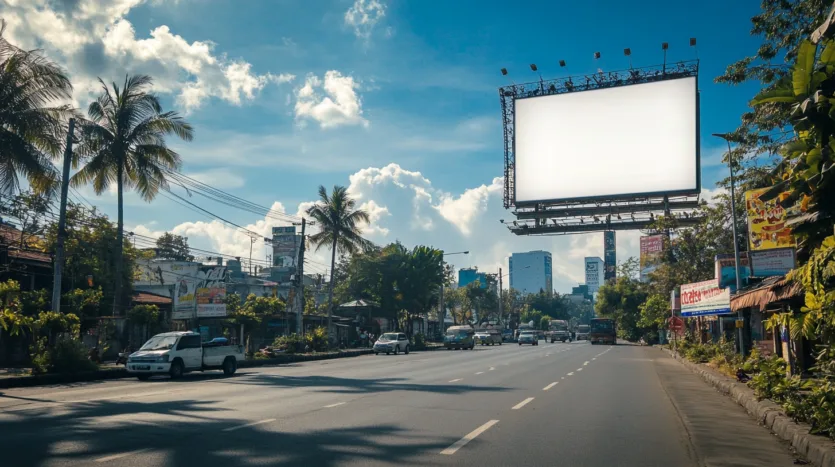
(70, 356)
(289, 344)
(317, 340)
(39, 354)
(770, 372)
(419, 341)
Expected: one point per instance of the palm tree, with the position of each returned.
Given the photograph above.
(123, 142)
(31, 125)
(338, 219)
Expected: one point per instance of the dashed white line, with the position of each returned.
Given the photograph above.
(580, 369)
(455, 380)
(595, 358)
(260, 422)
(522, 404)
(570, 373)
(119, 456)
(491, 368)
(480, 372)
(335, 405)
(549, 386)
(466, 439)
(585, 363)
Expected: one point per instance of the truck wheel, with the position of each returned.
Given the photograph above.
(143, 377)
(230, 366)
(176, 369)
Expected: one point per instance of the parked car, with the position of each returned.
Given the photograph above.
(392, 342)
(459, 337)
(177, 353)
(528, 337)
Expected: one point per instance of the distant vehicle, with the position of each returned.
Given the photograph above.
(507, 335)
(392, 342)
(176, 353)
(558, 331)
(459, 337)
(582, 332)
(528, 337)
(493, 336)
(603, 331)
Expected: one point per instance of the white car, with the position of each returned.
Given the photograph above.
(392, 342)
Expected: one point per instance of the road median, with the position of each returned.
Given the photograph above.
(817, 449)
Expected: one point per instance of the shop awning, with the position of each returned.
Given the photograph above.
(771, 290)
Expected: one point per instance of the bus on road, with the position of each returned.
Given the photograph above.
(603, 331)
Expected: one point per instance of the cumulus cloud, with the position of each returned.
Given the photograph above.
(332, 101)
(364, 15)
(93, 38)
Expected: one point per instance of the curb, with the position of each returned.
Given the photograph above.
(818, 450)
(49, 379)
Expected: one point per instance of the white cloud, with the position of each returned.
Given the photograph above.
(93, 38)
(375, 212)
(462, 210)
(364, 15)
(339, 105)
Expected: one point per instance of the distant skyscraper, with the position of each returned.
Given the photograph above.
(468, 275)
(531, 272)
(610, 260)
(594, 273)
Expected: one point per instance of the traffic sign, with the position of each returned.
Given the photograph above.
(675, 324)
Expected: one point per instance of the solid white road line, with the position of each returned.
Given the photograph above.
(522, 404)
(549, 386)
(335, 405)
(480, 372)
(570, 373)
(119, 456)
(471, 436)
(233, 428)
(455, 380)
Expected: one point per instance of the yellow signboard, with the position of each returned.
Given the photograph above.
(767, 221)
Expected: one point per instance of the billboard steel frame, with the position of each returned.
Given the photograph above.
(599, 80)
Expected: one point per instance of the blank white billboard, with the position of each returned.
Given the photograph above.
(637, 139)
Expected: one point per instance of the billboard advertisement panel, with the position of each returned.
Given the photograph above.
(652, 247)
(610, 259)
(639, 139)
(285, 247)
(594, 273)
(201, 294)
(725, 272)
(162, 272)
(767, 221)
(776, 262)
(705, 298)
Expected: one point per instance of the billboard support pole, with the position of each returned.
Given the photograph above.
(739, 315)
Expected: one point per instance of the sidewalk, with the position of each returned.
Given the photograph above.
(720, 431)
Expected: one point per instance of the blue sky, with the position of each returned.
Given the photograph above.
(396, 99)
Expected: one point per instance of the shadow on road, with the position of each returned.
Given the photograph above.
(191, 433)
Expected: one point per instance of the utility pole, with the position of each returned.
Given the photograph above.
(251, 242)
(62, 222)
(500, 294)
(300, 283)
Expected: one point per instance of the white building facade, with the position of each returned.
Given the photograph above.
(531, 272)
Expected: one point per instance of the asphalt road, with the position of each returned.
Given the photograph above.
(553, 404)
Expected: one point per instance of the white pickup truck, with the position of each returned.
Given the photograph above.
(175, 353)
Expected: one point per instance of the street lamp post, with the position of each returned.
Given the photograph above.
(442, 314)
(739, 316)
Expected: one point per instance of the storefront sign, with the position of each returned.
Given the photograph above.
(705, 298)
(776, 262)
(767, 221)
(725, 271)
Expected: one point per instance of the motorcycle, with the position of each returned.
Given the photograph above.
(123, 356)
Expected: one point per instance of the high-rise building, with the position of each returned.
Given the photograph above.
(594, 273)
(531, 272)
(469, 275)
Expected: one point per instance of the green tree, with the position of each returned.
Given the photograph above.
(782, 25)
(144, 316)
(420, 281)
(12, 319)
(529, 315)
(123, 142)
(338, 220)
(32, 127)
(621, 300)
(170, 246)
(654, 312)
(544, 323)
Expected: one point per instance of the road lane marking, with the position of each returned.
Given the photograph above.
(480, 372)
(522, 404)
(466, 439)
(570, 373)
(491, 368)
(547, 355)
(563, 377)
(585, 363)
(595, 358)
(260, 422)
(455, 380)
(549, 386)
(335, 405)
(580, 369)
(119, 456)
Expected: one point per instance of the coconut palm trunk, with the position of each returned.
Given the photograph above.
(120, 235)
(330, 289)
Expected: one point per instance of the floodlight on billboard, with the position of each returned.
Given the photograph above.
(611, 142)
